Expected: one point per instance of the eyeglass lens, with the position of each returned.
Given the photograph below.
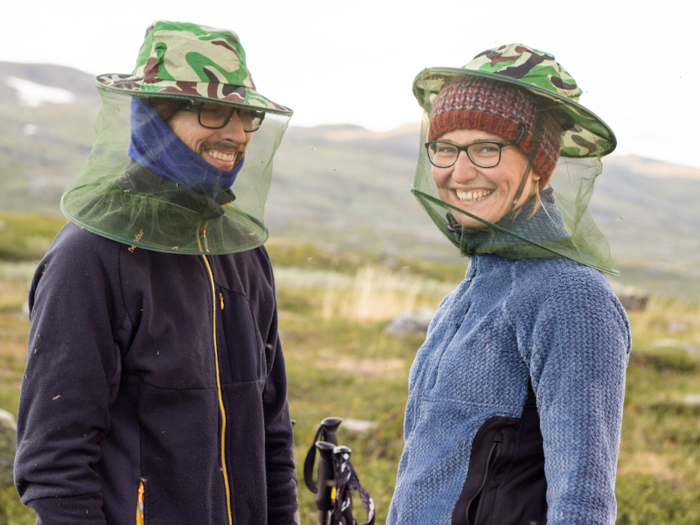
(216, 116)
(483, 154)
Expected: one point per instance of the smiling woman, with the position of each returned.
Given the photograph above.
(517, 132)
(515, 398)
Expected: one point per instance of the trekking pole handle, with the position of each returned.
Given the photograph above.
(330, 426)
(327, 431)
(326, 476)
(342, 449)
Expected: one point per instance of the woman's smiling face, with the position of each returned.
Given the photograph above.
(485, 192)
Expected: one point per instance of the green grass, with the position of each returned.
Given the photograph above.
(291, 253)
(25, 236)
(14, 330)
(339, 366)
(659, 467)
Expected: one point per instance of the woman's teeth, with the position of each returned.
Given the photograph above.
(221, 156)
(471, 196)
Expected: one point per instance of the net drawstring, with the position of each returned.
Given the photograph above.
(536, 140)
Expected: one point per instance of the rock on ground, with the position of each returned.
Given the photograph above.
(631, 297)
(411, 322)
(675, 343)
(8, 436)
(358, 426)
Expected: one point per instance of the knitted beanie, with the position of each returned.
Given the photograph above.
(502, 109)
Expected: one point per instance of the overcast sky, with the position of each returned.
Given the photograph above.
(354, 62)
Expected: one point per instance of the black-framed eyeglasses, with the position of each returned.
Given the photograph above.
(484, 154)
(216, 116)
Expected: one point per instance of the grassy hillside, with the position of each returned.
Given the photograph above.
(649, 221)
(26, 236)
(35, 168)
(345, 186)
(43, 148)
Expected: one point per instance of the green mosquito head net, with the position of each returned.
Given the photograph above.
(508, 158)
(182, 158)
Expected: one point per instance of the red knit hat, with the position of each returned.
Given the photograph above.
(496, 107)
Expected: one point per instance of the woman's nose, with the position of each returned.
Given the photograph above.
(464, 170)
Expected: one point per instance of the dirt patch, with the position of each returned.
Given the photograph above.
(12, 295)
(645, 462)
(386, 368)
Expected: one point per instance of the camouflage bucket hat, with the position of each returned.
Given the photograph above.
(585, 134)
(192, 62)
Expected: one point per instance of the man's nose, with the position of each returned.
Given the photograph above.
(464, 169)
(233, 130)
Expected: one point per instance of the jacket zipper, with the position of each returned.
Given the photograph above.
(221, 397)
(493, 454)
(139, 505)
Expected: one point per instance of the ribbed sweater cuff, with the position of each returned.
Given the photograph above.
(579, 516)
(74, 510)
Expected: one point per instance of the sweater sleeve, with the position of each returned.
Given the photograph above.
(579, 350)
(279, 440)
(70, 379)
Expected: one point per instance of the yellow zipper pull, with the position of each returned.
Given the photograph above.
(139, 509)
(221, 296)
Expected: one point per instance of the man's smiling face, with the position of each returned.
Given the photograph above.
(223, 148)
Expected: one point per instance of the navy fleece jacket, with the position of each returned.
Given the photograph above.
(121, 387)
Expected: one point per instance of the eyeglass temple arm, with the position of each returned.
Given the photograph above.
(537, 136)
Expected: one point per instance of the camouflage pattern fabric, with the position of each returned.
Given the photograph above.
(585, 134)
(194, 62)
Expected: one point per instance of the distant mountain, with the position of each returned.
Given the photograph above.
(346, 185)
(650, 212)
(43, 145)
(51, 76)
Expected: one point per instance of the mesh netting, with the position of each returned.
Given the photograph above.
(122, 199)
(549, 221)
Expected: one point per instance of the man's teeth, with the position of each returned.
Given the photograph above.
(473, 195)
(221, 156)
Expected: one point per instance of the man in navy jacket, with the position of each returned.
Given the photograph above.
(155, 387)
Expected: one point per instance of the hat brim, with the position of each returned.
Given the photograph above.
(585, 133)
(239, 96)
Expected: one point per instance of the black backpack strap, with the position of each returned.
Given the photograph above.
(309, 462)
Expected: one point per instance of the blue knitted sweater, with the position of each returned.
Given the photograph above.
(553, 323)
